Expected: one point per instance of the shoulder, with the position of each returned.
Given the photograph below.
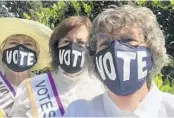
(77, 108)
(80, 107)
(89, 88)
(168, 103)
(167, 98)
(22, 89)
(93, 81)
(39, 76)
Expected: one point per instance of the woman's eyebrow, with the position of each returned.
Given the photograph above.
(13, 39)
(79, 39)
(29, 41)
(105, 42)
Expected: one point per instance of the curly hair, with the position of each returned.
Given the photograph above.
(61, 30)
(119, 18)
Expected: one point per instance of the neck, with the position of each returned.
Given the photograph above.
(65, 82)
(71, 74)
(16, 77)
(130, 102)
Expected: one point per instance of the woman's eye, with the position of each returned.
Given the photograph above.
(12, 43)
(102, 45)
(66, 41)
(127, 40)
(81, 42)
(105, 43)
(28, 44)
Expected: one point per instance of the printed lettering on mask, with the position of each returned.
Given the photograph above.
(105, 64)
(13, 57)
(65, 57)
(19, 58)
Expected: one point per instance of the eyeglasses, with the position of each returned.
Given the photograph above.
(66, 41)
(106, 39)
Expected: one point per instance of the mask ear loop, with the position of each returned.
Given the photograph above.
(91, 46)
(57, 50)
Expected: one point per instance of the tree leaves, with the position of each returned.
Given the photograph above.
(62, 9)
(166, 85)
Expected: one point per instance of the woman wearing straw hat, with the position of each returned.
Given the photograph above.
(23, 49)
(49, 94)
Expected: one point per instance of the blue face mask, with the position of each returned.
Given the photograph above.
(123, 68)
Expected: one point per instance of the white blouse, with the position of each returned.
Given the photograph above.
(155, 104)
(82, 86)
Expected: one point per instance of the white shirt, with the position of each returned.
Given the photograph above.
(155, 104)
(69, 89)
(6, 97)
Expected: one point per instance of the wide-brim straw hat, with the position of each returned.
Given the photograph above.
(39, 32)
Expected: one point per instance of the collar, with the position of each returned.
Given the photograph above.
(113, 110)
(7, 81)
(148, 107)
(14, 87)
(65, 82)
(151, 104)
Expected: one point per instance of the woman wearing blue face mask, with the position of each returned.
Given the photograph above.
(21, 53)
(129, 50)
(48, 94)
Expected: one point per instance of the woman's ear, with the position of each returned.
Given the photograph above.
(2, 48)
(37, 52)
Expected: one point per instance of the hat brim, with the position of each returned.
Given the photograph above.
(39, 32)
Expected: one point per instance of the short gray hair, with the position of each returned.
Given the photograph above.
(121, 17)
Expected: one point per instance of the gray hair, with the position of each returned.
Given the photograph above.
(127, 16)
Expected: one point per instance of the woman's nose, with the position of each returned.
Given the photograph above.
(73, 40)
(21, 42)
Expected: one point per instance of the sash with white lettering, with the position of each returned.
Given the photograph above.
(7, 94)
(44, 96)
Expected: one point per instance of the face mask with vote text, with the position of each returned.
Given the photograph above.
(123, 68)
(71, 58)
(19, 58)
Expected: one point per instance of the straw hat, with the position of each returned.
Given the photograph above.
(2, 113)
(39, 32)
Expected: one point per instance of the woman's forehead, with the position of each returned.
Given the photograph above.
(124, 33)
(20, 38)
(78, 30)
